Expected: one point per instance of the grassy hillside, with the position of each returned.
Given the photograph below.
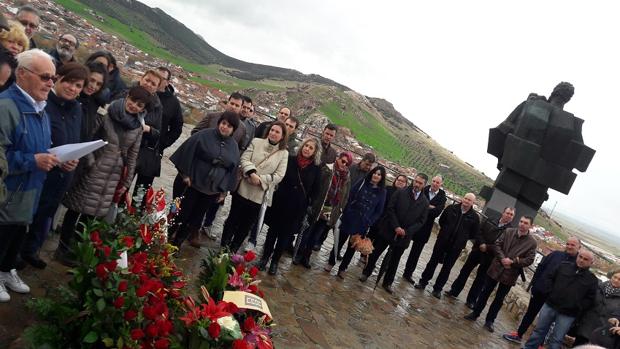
(372, 121)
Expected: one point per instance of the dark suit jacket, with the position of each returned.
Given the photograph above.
(439, 201)
(406, 212)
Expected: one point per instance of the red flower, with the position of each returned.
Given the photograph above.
(214, 311)
(130, 315)
(149, 312)
(214, 330)
(142, 291)
(249, 324)
(106, 251)
(94, 237)
(111, 265)
(232, 308)
(253, 271)
(128, 241)
(249, 256)
(240, 344)
(149, 196)
(240, 269)
(136, 334)
(122, 285)
(151, 330)
(165, 327)
(145, 234)
(101, 271)
(253, 288)
(261, 294)
(118, 302)
(162, 343)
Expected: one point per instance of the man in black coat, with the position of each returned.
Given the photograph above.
(573, 291)
(406, 213)
(437, 201)
(172, 114)
(458, 223)
(481, 254)
(234, 104)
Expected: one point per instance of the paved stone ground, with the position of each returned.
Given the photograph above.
(313, 308)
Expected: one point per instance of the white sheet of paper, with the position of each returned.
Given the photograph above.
(75, 151)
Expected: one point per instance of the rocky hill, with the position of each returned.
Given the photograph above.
(371, 123)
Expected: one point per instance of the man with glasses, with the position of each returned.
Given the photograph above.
(28, 16)
(22, 111)
(437, 201)
(406, 213)
(65, 49)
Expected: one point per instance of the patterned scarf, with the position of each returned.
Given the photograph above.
(335, 189)
(609, 289)
(303, 162)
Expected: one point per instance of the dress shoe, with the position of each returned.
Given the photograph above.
(388, 288)
(420, 286)
(328, 267)
(341, 274)
(64, 259)
(471, 316)
(35, 261)
(470, 305)
(409, 279)
(436, 294)
(306, 263)
(363, 278)
(489, 326)
(297, 260)
(339, 257)
(20, 264)
(273, 268)
(449, 294)
(316, 248)
(262, 265)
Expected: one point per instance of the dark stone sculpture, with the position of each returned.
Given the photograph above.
(537, 147)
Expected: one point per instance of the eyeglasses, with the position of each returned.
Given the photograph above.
(344, 161)
(29, 24)
(44, 77)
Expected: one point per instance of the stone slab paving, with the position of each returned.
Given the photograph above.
(312, 308)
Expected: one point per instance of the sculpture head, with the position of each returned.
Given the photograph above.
(561, 94)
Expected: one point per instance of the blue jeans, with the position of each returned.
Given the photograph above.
(546, 318)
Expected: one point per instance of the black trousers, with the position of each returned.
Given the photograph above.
(193, 207)
(479, 259)
(414, 256)
(341, 242)
(380, 244)
(276, 241)
(12, 238)
(243, 214)
(312, 234)
(498, 301)
(443, 255)
(537, 300)
(346, 258)
(72, 224)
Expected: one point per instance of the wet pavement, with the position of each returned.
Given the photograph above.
(313, 308)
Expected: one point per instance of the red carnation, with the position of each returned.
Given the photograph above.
(214, 330)
(94, 237)
(142, 290)
(130, 315)
(249, 256)
(162, 343)
(151, 330)
(253, 271)
(239, 269)
(149, 312)
(165, 327)
(128, 241)
(106, 251)
(118, 302)
(137, 333)
(253, 289)
(122, 285)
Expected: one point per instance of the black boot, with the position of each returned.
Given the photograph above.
(273, 268)
(262, 264)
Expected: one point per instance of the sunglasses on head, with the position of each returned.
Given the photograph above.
(44, 77)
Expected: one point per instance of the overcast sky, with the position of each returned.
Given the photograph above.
(454, 68)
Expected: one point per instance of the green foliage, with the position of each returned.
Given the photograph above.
(214, 273)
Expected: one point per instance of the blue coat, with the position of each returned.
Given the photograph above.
(364, 207)
(65, 118)
(23, 133)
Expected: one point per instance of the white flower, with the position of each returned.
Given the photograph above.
(230, 325)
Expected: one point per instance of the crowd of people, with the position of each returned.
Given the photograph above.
(304, 189)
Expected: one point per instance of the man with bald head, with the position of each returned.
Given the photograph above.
(65, 49)
(513, 251)
(541, 285)
(436, 203)
(573, 289)
(22, 113)
(261, 131)
(458, 223)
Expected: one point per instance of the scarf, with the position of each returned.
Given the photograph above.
(303, 162)
(335, 189)
(609, 289)
(117, 112)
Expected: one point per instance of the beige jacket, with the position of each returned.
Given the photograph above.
(271, 171)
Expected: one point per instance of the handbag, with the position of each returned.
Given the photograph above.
(149, 161)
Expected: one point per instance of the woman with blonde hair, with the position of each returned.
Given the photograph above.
(290, 202)
(263, 166)
(15, 40)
